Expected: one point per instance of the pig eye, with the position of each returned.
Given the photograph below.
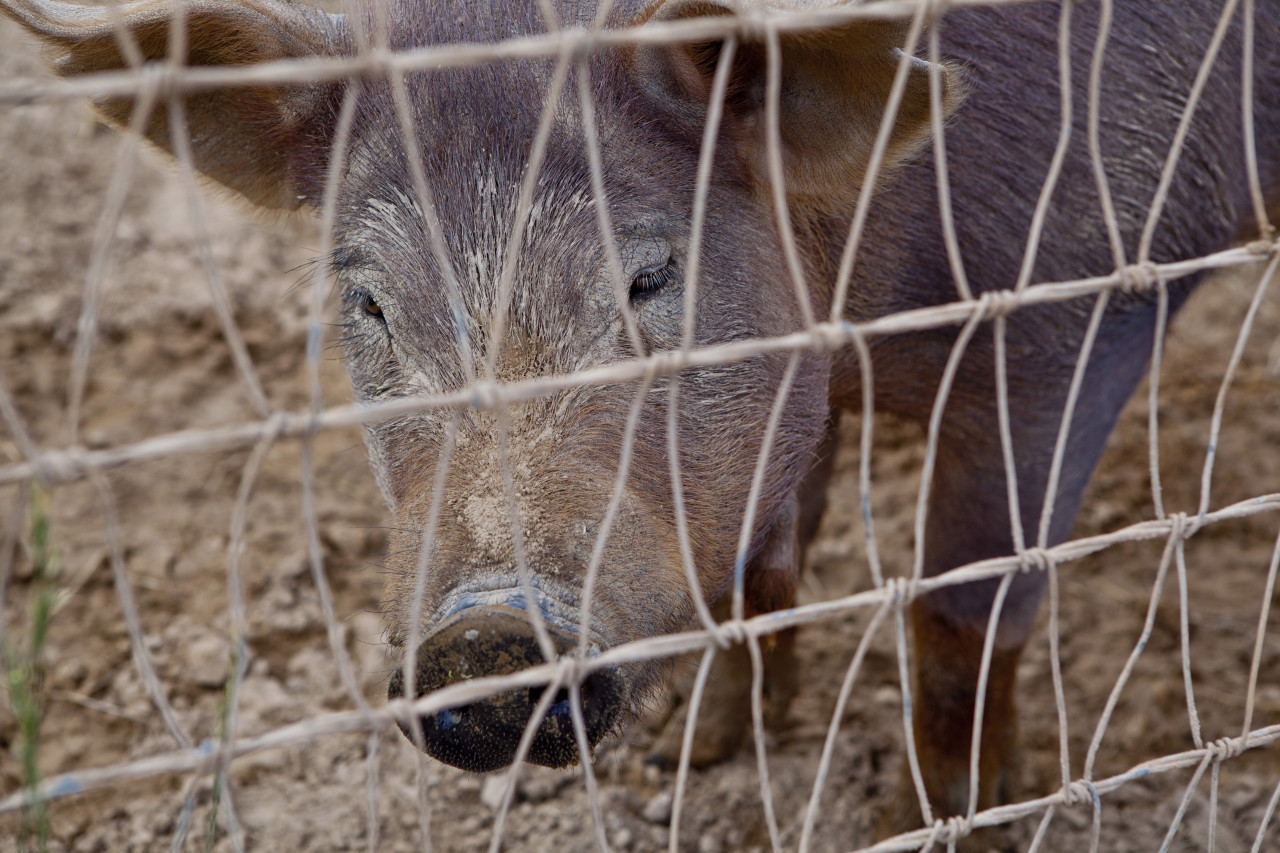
(365, 302)
(651, 279)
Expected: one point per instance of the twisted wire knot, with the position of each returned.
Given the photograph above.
(1140, 278)
(484, 395)
(937, 833)
(570, 670)
(1224, 748)
(997, 303)
(1184, 526)
(275, 424)
(1035, 558)
(959, 826)
(58, 466)
(731, 632)
(901, 590)
(159, 81)
(1079, 791)
(828, 337)
(1265, 247)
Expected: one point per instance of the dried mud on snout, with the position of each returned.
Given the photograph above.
(160, 365)
(484, 735)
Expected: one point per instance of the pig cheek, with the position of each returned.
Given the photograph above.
(410, 520)
(641, 592)
(378, 464)
(403, 454)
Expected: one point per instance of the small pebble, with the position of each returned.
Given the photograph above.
(658, 809)
(538, 785)
(493, 790)
(208, 660)
(888, 695)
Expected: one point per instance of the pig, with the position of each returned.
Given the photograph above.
(432, 300)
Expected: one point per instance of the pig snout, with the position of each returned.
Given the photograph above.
(490, 633)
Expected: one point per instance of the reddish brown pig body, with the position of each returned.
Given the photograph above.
(526, 490)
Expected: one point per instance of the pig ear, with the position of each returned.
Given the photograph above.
(266, 142)
(835, 86)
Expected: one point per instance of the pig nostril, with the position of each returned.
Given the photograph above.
(448, 718)
(559, 702)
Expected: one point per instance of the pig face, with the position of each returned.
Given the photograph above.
(561, 450)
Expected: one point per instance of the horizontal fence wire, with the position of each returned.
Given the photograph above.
(72, 463)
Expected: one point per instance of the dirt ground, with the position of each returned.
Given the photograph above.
(160, 364)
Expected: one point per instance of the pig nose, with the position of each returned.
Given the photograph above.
(484, 735)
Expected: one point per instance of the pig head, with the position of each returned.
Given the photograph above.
(523, 503)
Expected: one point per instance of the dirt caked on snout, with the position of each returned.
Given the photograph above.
(498, 638)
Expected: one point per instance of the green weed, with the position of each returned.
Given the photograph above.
(24, 668)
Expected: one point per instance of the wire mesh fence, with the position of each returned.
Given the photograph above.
(193, 624)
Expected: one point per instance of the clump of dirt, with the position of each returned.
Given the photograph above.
(160, 364)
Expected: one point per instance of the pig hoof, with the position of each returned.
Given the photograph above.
(717, 738)
(903, 814)
(725, 716)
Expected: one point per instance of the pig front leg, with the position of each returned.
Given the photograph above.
(969, 519)
(724, 715)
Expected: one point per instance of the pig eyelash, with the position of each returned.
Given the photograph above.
(363, 302)
(371, 307)
(354, 339)
(652, 279)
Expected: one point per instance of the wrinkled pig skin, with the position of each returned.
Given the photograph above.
(419, 298)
